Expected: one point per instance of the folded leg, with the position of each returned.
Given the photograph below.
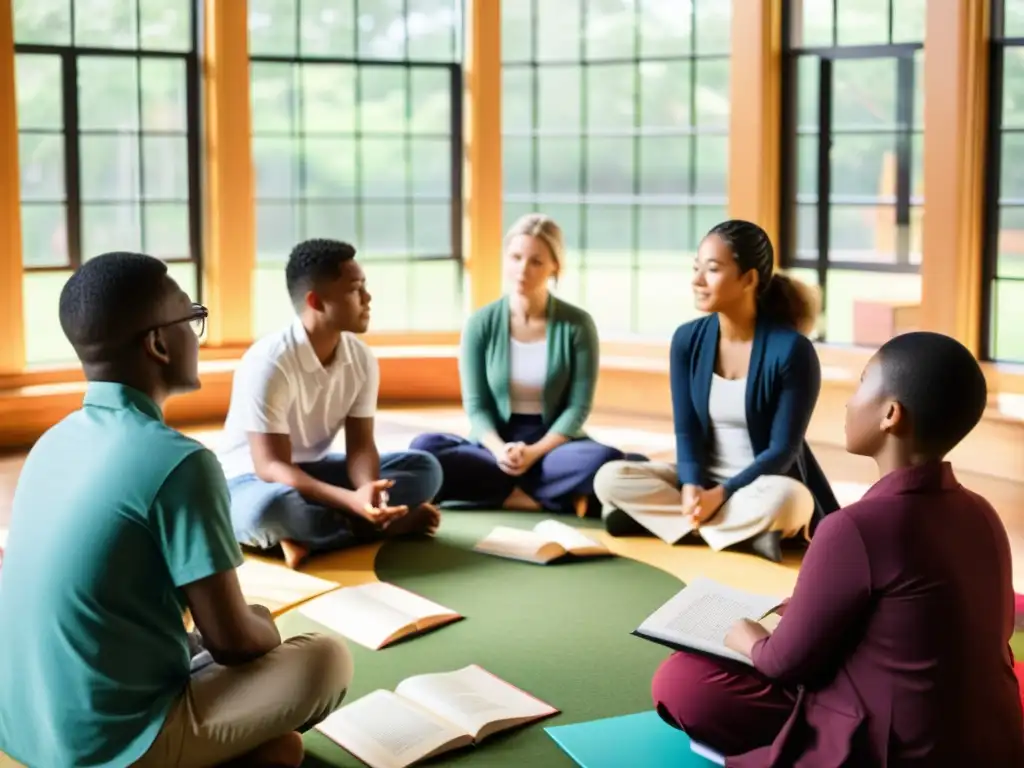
(470, 473)
(567, 473)
(227, 712)
(771, 504)
(631, 490)
(721, 703)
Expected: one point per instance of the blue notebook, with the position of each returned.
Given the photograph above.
(642, 739)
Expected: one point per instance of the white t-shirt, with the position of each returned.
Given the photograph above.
(528, 372)
(731, 449)
(280, 387)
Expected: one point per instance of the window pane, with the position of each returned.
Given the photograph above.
(665, 165)
(807, 165)
(610, 166)
(664, 299)
(808, 85)
(39, 91)
(109, 167)
(706, 217)
(432, 27)
(517, 164)
(435, 297)
(336, 220)
(276, 231)
(664, 232)
(862, 233)
(712, 156)
(908, 21)
(558, 98)
(807, 232)
(327, 28)
(510, 213)
(665, 93)
(385, 167)
(166, 25)
(1011, 174)
(382, 99)
(863, 22)
(275, 163)
(1010, 262)
(108, 93)
(863, 93)
(110, 227)
(41, 160)
(165, 168)
(558, 36)
(330, 168)
(711, 94)
(432, 229)
(609, 291)
(609, 33)
(274, 97)
(382, 32)
(328, 98)
(431, 167)
(1013, 13)
(106, 24)
(558, 165)
(272, 27)
(609, 234)
(164, 95)
(516, 98)
(431, 101)
(516, 31)
(570, 219)
(166, 230)
(42, 23)
(385, 230)
(917, 166)
(714, 26)
(864, 165)
(844, 288)
(813, 23)
(610, 96)
(1013, 87)
(666, 28)
(44, 240)
(1008, 320)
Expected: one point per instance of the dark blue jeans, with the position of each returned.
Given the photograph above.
(264, 513)
(472, 477)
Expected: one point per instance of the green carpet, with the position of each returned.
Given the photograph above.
(560, 632)
(1017, 644)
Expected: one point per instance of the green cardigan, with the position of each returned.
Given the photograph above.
(573, 352)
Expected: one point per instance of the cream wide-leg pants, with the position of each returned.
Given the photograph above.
(649, 492)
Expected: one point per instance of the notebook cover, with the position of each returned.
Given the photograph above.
(643, 739)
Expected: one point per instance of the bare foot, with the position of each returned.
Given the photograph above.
(520, 501)
(581, 504)
(283, 752)
(294, 553)
(424, 519)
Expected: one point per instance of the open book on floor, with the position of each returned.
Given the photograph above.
(377, 614)
(698, 617)
(546, 542)
(428, 715)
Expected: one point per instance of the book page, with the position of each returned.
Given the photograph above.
(386, 731)
(473, 699)
(571, 539)
(405, 602)
(519, 544)
(701, 614)
(356, 614)
(670, 528)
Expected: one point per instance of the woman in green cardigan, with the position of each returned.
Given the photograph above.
(528, 368)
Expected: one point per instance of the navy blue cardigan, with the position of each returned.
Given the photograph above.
(783, 383)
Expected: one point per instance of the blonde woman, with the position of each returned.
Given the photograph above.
(528, 368)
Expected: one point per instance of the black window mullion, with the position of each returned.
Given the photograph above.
(193, 117)
(824, 173)
(456, 167)
(72, 170)
(904, 138)
(989, 327)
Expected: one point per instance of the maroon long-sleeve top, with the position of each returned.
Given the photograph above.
(897, 635)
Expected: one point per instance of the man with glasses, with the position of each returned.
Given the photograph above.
(119, 524)
(294, 392)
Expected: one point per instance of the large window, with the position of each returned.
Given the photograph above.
(357, 136)
(852, 184)
(1004, 267)
(615, 123)
(107, 96)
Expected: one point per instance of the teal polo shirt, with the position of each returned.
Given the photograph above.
(113, 513)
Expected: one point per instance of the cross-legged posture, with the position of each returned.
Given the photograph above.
(119, 524)
(528, 370)
(293, 393)
(744, 383)
(894, 647)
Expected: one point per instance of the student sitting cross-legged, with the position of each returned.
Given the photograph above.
(119, 524)
(528, 367)
(744, 382)
(293, 393)
(894, 647)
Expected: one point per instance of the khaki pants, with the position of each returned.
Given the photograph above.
(227, 712)
(649, 491)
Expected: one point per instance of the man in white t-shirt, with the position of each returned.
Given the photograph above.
(293, 392)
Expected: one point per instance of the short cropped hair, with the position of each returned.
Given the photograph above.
(313, 262)
(108, 298)
(940, 384)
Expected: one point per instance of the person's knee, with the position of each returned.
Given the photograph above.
(431, 442)
(679, 691)
(330, 666)
(427, 469)
(607, 480)
(257, 513)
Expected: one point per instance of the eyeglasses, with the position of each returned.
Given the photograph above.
(197, 319)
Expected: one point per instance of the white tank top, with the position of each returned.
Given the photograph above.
(528, 371)
(730, 448)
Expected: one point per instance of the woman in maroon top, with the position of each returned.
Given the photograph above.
(894, 648)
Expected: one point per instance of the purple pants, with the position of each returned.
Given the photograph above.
(472, 476)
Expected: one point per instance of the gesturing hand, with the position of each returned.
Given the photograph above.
(370, 502)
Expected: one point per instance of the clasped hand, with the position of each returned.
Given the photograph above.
(516, 458)
(370, 501)
(700, 504)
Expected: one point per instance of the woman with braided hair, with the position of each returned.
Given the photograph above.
(745, 379)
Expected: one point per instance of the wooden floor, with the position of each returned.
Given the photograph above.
(849, 475)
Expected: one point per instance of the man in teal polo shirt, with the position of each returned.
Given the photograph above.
(119, 524)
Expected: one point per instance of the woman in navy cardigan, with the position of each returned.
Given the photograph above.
(745, 379)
